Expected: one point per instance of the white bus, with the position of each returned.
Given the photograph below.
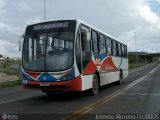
(71, 55)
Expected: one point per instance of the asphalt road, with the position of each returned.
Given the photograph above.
(139, 93)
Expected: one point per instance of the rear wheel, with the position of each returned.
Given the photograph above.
(119, 82)
(95, 85)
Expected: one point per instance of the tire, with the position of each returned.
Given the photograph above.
(119, 82)
(95, 85)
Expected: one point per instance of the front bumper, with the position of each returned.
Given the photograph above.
(70, 85)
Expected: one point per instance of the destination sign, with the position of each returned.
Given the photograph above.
(50, 26)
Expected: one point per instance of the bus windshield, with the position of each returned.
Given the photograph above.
(49, 52)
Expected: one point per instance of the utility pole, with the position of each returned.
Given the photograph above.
(20, 45)
(44, 9)
(144, 53)
(136, 48)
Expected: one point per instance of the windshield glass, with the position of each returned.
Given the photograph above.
(48, 51)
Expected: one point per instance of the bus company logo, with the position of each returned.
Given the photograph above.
(4, 116)
(98, 61)
(44, 78)
(109, 67)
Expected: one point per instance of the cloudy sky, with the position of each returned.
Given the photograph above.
(122, 19)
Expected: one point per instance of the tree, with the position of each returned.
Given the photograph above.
(1, 56)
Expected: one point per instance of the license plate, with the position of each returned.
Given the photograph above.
(44, 85)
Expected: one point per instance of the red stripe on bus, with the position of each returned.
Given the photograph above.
(33, 74)
(108, 65)
(90, 68)
(70, 85)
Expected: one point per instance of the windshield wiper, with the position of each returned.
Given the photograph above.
(57, 36)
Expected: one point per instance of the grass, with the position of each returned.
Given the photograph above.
(134, 65)
(133, 61)
(11, 84)
(11, 72)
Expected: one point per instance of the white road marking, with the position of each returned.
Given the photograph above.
(139, 80)
(19, 99)
(141, 94)
(80, 112)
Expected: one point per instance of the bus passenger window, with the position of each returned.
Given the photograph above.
(94, 41)
(85, 42)
(117, 49)
(102, 45)
(109, 47)
(114, 48)
(120, 50)
(123, 52)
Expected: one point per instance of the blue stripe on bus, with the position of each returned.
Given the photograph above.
(100, 56)
(46, 77)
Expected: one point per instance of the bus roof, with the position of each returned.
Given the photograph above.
(79, 21)
(98, 30)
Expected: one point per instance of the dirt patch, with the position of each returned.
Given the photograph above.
(4, 77)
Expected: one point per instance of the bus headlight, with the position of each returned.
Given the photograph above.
(25, 81)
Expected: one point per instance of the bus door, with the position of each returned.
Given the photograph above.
(85, 36)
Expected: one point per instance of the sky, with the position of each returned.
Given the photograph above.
(127, 20)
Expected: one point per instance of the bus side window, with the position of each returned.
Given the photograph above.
(109, 49)
(102, 45)
(85, 41)
(123, 52)
(114, 48)
(119, 49)
(94, 41)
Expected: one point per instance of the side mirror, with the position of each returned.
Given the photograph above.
(21, 38)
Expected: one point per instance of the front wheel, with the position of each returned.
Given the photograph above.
(95, 85)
